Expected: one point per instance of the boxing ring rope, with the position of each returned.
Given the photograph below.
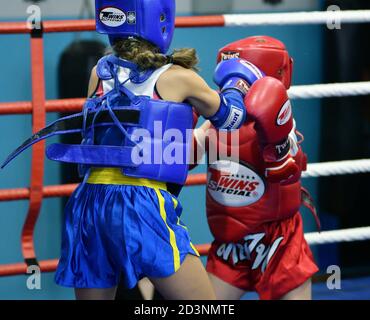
(25, 107)
(313, 238)
(226, 20)
(38, 108)
(312, 91)
(314, 170)
(320, 238)
(297, 18)
(334, 236)
(37, 159)
(330, 90)
(335, 168)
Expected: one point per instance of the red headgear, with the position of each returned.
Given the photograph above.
(267, 53)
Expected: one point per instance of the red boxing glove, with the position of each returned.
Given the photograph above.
(284, 171)
(268, 105)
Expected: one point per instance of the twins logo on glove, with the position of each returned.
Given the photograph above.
(285, 114)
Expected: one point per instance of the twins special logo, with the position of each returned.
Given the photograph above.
(234, 119)
(112, 17)
(285, 114)
(242, 86)
(238, 189)
(229, 55)
(283, 148)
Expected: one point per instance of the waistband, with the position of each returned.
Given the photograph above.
(114, 176)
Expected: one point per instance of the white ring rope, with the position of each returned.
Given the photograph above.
(333, 236)
(330, 90)
(336, 168)
(295, 18)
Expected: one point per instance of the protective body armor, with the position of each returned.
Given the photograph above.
(239, 202)
(146, 138)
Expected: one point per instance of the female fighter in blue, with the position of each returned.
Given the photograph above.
(125, 217)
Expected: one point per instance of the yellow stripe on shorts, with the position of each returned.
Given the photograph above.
(114, 176)
(175, 202)
(176, 253)
(191, 245)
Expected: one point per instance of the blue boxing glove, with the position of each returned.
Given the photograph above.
(232, 113)
(234, 77)
(236, 74)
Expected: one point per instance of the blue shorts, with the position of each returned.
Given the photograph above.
(113, 229)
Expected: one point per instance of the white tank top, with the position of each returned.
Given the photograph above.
(146, 88)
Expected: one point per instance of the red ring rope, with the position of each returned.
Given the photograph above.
(89, 25)
(38, 150)
(66, 190)
(51, 265)
(24, 107)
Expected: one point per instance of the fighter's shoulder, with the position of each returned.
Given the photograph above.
(93, 73)
(177, 75)
(94, 82)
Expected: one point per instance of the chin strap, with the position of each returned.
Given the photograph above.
(107, 69)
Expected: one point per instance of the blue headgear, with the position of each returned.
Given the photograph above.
(152, 20)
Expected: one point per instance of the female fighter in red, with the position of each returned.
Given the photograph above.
(253, 198)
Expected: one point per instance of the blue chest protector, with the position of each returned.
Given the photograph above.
(144, 137)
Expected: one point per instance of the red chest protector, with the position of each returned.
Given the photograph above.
(239, 200)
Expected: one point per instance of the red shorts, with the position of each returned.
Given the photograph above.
(272, 261)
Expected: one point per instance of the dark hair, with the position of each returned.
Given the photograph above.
(148, 56)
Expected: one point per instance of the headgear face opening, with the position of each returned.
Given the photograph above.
(152, 20)
(267, 53)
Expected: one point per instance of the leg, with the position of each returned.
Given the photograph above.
(123, 293)
(303, 292)
(146, 288)
(96, 294)
(190, 282)
(225, 291)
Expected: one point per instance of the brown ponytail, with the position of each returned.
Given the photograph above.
(147, 56)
